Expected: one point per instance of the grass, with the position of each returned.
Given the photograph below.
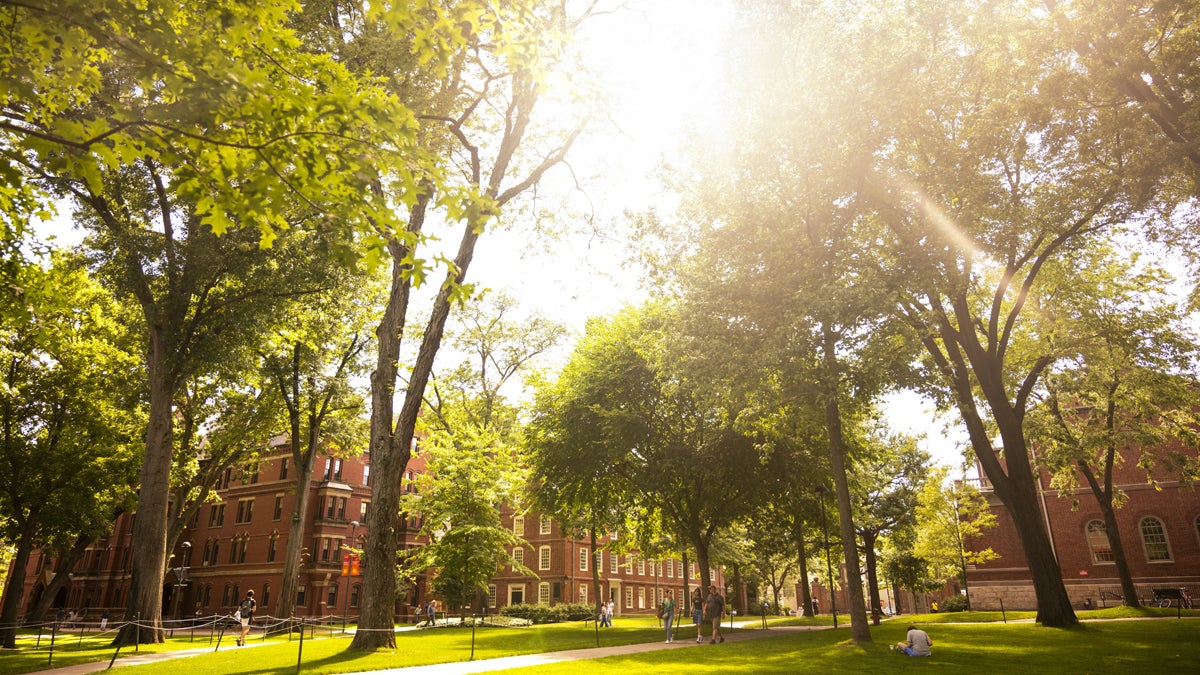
(1162, 647)
(962, 642)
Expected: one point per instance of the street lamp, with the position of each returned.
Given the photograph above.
(346, 567)
(828, 560)
(181, 574)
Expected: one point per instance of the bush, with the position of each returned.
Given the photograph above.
(955, 603)
(550, 614)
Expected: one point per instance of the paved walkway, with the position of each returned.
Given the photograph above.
(463, 667)
(527, 660)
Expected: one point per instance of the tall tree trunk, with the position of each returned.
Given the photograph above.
(805, 596)
(1018, 491)
(144, 601)
(1103, 495)
(15, 590)
(859, 628)
(62, 567)
(869, 539)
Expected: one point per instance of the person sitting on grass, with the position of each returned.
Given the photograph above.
(918, 643)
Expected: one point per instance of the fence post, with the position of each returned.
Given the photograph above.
(300, 651)
(1002, 614)
(137, 633)
(53, 633)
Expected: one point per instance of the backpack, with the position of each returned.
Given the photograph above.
(247, 607)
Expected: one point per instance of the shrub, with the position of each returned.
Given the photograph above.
(955, 603)
(549, 614)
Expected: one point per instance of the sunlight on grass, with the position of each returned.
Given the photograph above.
(965, 646)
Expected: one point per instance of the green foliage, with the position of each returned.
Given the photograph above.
(637, 420)
(71, 399)
(540, 614)
(954, 603)
(247, 125)
(949, 515)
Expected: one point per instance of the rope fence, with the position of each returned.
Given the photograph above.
(48, 636)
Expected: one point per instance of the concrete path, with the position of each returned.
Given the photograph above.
(748, 632)
(527, 660)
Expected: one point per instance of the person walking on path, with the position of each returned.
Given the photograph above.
(246, 610)
(698, 612)
(608, 612)
(668, 615)
(714, 609)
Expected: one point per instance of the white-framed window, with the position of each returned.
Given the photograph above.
(629, 564)
(1154, 539)
(491, 595)
(544, 525)
(583, 597)
(1097, 540)
(670, 568)
(583, 560)
(519, 526)
(544, 558)
(599, 561)
(629, 597)
(518, 556)
(614, 562)
(641, 566)
(641, 598)
(544, 593)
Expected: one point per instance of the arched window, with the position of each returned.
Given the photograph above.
(1154, 539)
(1097, 539)
(519, 526)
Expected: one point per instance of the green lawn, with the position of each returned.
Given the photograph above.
(1167, 646)
(1104, 648)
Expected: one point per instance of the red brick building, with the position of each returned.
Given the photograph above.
(1159, 526)
(564, 566)
(238, 543)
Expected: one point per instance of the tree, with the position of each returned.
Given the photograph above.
(990, 175)
(492, 83)
(69, 406)
(1126, 393)
(312, 362)
(885, 477)
(472, 450)
(948, 516)
(632, 413)
(911, 572)
(165, 137)
(1144, 53)
(470, 469)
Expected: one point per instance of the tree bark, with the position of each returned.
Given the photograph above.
(869, 539)
(805, 589)
(859, 627)
(1103, 497)
(15, 589)
(144, 602)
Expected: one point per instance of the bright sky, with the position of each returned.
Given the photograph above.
(657, 60)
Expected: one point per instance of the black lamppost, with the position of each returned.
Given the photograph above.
(181, 574)
(347, 567)
(828, 560)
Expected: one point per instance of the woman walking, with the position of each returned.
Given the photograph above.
(698, 611)
(668, 614)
